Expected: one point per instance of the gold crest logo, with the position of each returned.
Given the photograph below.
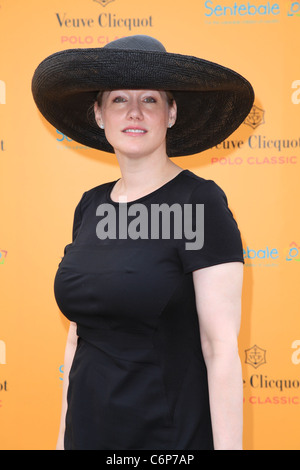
(255, 356)
(255, 118)
(104, 2)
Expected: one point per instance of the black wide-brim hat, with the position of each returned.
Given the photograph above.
(212, 100)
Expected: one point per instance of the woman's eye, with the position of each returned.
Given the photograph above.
(119, 99)
(150, 99)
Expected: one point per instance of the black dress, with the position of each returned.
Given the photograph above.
(138, 379)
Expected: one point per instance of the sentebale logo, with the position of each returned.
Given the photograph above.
(241, 9)
(293, 8)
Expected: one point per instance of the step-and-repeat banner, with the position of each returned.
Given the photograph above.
(44, 174)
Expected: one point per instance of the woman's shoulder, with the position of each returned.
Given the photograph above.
(92, 196)
(201, 187)
(97, 191)
(101, 188)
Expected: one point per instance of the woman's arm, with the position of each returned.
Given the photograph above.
(218, 297)
(69, 355)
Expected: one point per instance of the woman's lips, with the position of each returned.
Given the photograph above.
(134, 130)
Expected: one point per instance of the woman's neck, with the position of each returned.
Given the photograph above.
(141, 176)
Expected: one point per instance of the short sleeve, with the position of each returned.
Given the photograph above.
(221, 239)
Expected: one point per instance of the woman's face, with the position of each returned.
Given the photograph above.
(136, 121)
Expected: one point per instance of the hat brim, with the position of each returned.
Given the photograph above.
(212, 100)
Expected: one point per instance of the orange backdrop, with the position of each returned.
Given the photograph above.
(43, 175)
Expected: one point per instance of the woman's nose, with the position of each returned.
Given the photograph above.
(135, 111)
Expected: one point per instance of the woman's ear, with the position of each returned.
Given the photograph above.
(98, 115)
(172, 114)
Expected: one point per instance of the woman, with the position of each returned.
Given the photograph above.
(152, 357)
